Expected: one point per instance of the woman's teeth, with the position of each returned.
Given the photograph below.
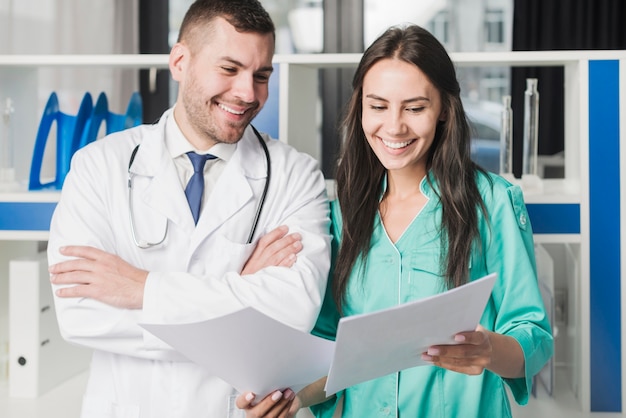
(397, 145)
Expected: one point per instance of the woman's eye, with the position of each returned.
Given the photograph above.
(377, 107)
(415, 109)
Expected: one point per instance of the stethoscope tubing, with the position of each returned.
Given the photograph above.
(268, 162)
(145, 244)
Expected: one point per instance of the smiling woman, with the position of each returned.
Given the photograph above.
(399, 122)
(414, 217)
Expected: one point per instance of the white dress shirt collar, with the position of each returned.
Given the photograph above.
(178, 145)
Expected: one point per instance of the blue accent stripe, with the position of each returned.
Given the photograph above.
(26, 216)
(555, 218)
(604, 234)
(267, 119)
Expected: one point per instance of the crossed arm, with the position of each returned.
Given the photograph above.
(105, 277)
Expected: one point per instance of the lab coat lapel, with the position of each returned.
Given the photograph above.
(233, 191)
(160, 190)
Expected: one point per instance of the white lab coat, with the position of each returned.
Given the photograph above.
(194, 274)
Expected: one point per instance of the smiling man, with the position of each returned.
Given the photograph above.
(180, 221)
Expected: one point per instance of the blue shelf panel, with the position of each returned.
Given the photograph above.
(26, 216)
(35, 216)
(554, 218)
(604, 233)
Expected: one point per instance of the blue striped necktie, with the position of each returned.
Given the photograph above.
(195, 187)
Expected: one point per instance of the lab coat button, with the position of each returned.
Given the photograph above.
(522, 219)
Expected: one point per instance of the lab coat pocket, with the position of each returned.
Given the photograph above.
(232, 410)
(96, 407)
(230, 256)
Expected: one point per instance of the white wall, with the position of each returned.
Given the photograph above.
(73, 27)
(45, 27)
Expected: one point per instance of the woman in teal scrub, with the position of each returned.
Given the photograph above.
(415, 217)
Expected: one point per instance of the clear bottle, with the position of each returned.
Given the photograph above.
(531, 127)
(7, 171)
(506, 137)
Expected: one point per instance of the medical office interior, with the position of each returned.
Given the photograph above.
(63, 59)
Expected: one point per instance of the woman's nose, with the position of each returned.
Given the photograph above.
(395, 125)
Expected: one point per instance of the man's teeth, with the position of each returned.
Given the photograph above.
(396, 145)
(229, 110)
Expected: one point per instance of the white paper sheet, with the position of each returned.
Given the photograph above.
(251, 351)
(379, 343)
(255, 353)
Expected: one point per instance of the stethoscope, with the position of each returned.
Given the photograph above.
(146, 244)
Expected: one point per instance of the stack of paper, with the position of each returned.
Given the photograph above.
(376, 344)
(251, 351)
(255, 353)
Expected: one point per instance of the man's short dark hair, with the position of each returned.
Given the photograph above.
(244, 15)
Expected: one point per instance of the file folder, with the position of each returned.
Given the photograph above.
(39, 358)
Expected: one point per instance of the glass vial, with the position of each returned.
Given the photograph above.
(6, 147)
(506, 137)
(531, 127)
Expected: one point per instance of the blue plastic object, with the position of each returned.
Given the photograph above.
(75, 131)
(113, 122)
(69, 129)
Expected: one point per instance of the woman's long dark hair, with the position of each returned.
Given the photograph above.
(360, 173)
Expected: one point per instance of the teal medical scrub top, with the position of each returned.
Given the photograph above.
(409, 270)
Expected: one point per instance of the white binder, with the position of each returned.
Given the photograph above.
(39, 359)
(545, 277)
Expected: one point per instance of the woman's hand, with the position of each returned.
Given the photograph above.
(479, 350)
(282, 404)
(276, 248)
(277, 404)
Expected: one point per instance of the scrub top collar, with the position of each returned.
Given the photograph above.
(428, 185)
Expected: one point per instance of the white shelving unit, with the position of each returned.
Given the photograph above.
(567, 204)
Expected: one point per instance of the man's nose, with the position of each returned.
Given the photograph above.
(243, 88)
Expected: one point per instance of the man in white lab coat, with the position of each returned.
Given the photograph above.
(125, 249)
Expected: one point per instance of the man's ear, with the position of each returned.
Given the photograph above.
(179, 56)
